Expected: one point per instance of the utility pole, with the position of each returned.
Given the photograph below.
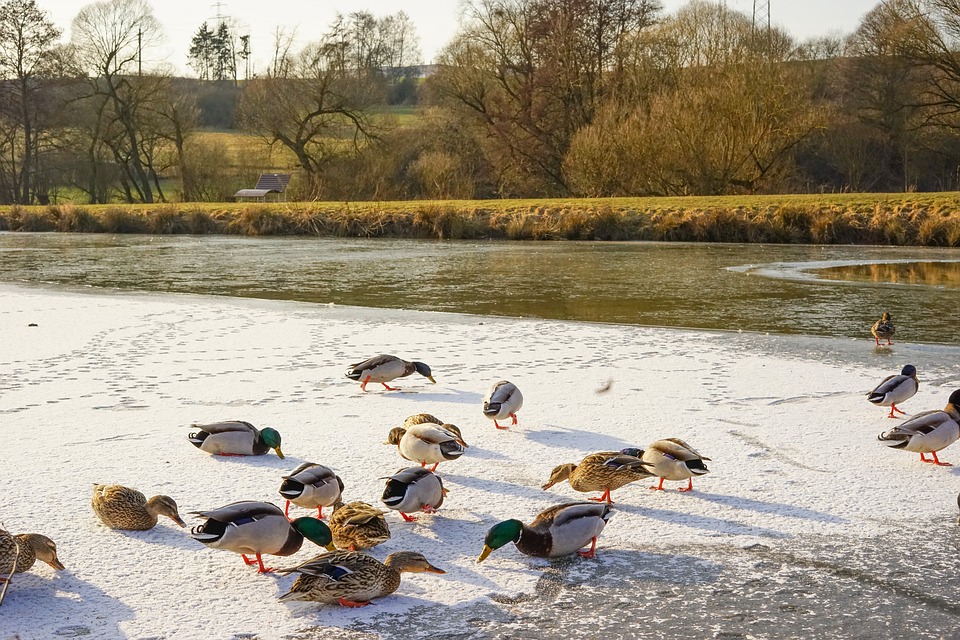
(761, 20)
(139, 52)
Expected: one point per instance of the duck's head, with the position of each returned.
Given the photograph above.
(410, 562)
(559, 474)
(909, 370)
(315, 531)
(885, 317)
(424, 370)
(499, 535)
(44, 548)
(395, 434)
(955, 398)
(271, 438)
(636, 452)
(165, 506)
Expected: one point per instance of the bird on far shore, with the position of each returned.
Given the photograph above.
(561, 530)
(384, 368)
(235, 438)
(502, 401)
(894, 389)
(351, 578)
(311, 486)
(883, 329)
(602, 471)
(121, 507)
(927, 432)
(671, 459)
(18, 553)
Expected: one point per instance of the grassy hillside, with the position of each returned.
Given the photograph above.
(931, 219)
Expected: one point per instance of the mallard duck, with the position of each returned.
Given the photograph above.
(311, 486)
(883, 329)
(927, 432)
(602, 471)
(413, 489)
(235, 438)
(671, 459)
(427, 443)
(32, 547)
(894, 389)
(384, 368)
(258, 528)
(502, 401)
(426, 418)
(358, 525)
(353, 579)
(558, 531)
(121, 507)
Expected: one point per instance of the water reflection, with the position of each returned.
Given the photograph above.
(939, 274)
(664, 284)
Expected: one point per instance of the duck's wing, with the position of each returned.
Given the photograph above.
(434, 434)
(226, 426)
(561, 514)
(312, 474)
(677, 449)
(373, 363)
(421, 418)
(241, 512)
(118, 494)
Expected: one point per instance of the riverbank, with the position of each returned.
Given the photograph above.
(877, 219)
(105, 386)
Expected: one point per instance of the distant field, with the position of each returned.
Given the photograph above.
(931, 219)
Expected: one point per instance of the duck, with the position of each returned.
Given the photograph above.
(601, 471)
(895, 389)
(251, 527)
(235, 438)
(883, 329)
(358, 525)
(19, 552)
(927, 432)
(384, 368)
(311, 486)
(426, 418)
(561, 530)
(121, 507)
(351, 578)
(413, 489)
(427, 443)
(671, 459)
(502, 401)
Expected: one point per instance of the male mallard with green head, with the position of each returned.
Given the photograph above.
(602, 471)
(25, 549)
(121, 507)
(235, 438)
(357, 526)
(895, 389)
(927, 432)
(384, 368)
(558, 531)
(311, 486)
(353, 579)
(257, 528)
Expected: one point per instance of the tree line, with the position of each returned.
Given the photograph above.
(530, 98)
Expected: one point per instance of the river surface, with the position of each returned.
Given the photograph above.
(807, 587)
(834, 291)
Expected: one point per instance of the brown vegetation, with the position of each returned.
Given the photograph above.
(930, 220)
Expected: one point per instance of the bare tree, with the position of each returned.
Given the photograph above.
(27, 41)
(109, 38)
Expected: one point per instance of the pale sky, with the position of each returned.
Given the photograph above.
(436, 21)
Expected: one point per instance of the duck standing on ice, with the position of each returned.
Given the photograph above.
(894, 389)
(502, 401)
(883, 329)
(927, 432)
(384, 368)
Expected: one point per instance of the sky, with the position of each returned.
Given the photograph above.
(436, 21)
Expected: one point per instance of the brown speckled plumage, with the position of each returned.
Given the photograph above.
(33, 547)
(358, 525)
(121, 507)
(352, 578)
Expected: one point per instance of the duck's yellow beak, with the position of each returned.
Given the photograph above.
(430, 378)
(279, 453)
(483, 555)
(331, 547)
